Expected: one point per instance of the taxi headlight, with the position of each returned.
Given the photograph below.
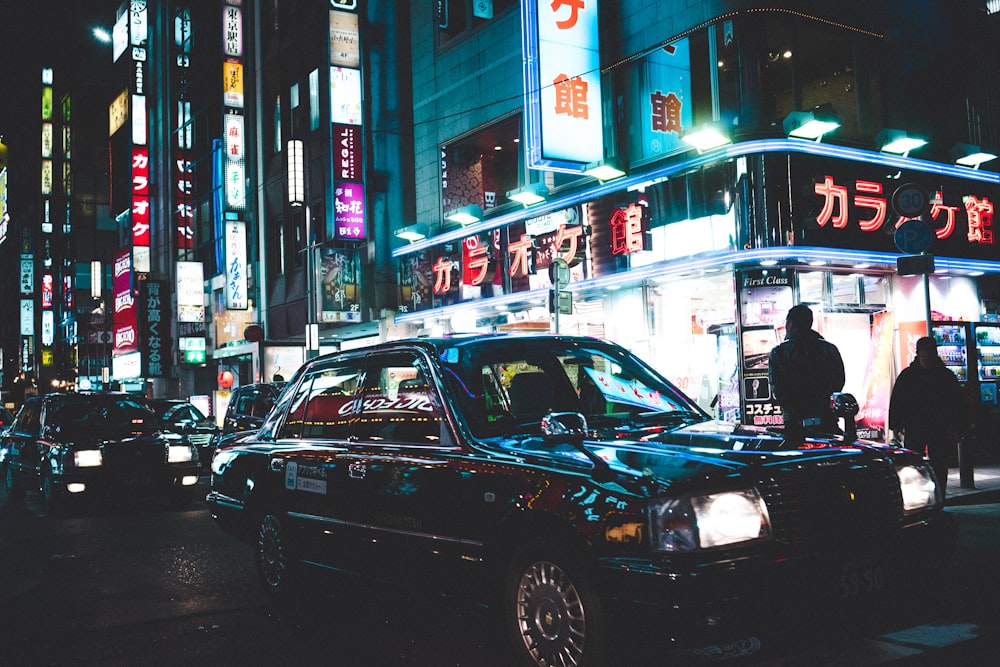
(702, 522)
(917, 486)
(179, 453)
(87, 458)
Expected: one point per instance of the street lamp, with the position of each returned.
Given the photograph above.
(297, 199)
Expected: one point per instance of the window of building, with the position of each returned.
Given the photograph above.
(805, 65)
(480, 168)
(293, 103)
(458, 17)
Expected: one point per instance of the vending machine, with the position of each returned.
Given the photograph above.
(987, 337)
(953, 347)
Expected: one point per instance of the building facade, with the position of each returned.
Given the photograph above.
(690, 252)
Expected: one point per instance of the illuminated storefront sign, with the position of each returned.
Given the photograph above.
(850, 205)
(27, 317)
(629, 230)
(562, 74)
(662, 112)
(155, 299)
(344, 39)
(340, 292)
(346, 152)
(232, 84)
(345, 95)
(47, 290)
(349, 211)
(236, 265)
(118, 113)
(190, 292)
(232, 27)
(125, 317)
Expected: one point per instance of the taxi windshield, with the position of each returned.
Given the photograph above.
(505, 388)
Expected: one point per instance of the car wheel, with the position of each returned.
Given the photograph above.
(553, 615)
(14, 490)
(274, 562)
(54, 497)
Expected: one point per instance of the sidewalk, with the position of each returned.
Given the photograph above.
(986, 480)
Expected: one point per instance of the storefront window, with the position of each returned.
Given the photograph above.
(479, 169)
(811, 286)
(693, 339)
(844, 289)
(876, 290)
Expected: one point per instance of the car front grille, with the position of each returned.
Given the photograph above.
(200, 439)
(843, 504)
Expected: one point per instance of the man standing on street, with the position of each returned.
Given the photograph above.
(928, 407)
(804, 370)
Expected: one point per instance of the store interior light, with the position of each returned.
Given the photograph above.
(532, 193)
(898, 142)
(968, 155)
(811, 124)
(707, 138)
(604, 170)
(466, 215)
(412, 233)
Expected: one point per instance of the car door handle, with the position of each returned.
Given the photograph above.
(357, 470)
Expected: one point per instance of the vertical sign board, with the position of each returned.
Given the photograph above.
(236, 265)
(562, 75)
(183, 190)
(124, 305)
(155, 301)
(138, 37)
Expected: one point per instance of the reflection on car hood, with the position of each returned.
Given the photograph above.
(700, 452)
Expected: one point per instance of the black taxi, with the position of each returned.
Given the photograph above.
(82, 445)
(562, 478)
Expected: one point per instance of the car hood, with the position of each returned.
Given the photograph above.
(705, 453)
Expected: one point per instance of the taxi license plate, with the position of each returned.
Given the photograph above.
(859, 576)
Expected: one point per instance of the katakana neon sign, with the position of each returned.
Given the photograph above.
(869, 196)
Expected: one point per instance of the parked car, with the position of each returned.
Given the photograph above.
(180, 416)
(70, 446)
(6, 419)
(568, 482)
(248, 406)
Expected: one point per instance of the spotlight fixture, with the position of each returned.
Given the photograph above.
(604, 170)
(898, 142)
(968, 155)
(466, 215)
(532, 193)
(707, 138)
(811, 124)
(412, 233)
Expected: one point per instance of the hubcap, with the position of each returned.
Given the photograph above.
(551, 617)
(271, 552)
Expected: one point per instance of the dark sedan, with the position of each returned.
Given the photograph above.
(182, 417)
(564, 479)
(71, 446)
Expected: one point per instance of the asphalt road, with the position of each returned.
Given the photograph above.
(146, 585)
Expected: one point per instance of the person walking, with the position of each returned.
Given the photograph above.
(927, 407)
(804, 370)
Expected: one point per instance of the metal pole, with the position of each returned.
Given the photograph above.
(927, 302)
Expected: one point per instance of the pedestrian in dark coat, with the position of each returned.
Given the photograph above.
(928, 408)
(805, 369)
